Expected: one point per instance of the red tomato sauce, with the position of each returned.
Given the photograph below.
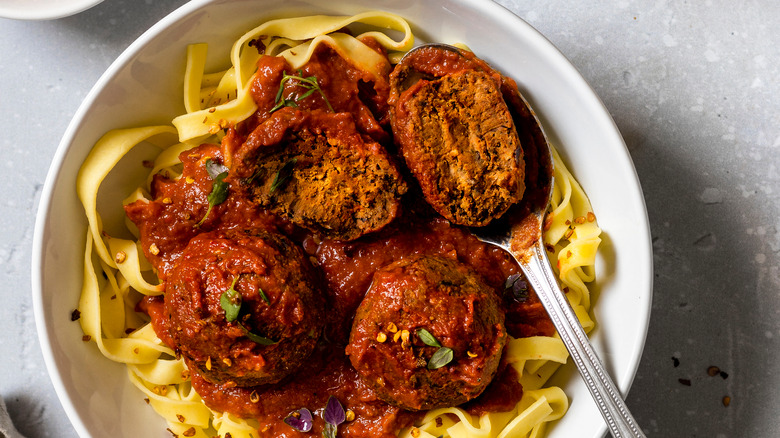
(176, 214)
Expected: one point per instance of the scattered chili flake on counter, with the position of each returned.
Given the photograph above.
(686, 382)
(75, 315)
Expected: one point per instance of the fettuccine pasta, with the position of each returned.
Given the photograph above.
(117, 274)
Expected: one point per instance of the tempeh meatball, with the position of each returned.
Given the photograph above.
(412, 306)
(272, 290)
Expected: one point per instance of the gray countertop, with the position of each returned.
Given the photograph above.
(694, 87)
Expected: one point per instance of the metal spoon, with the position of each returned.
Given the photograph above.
(523, 240)
(521, 235)
(519, 232)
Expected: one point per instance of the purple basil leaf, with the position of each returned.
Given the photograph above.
(517, 286)
(302, 422)
(334, 413)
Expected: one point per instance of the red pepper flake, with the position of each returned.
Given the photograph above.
(724, 375)
(148, 164)
(726, 401)
(713, 371)
(75, 315)
(675, 362)
(172, 433)
(86, 338)
(686, 382)
(547, 222)
(258, 44)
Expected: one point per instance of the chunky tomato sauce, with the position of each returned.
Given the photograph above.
(176, 215)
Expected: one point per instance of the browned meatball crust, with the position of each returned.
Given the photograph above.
(457, 133)
(449, 301)
(318, 171)
(279, 301)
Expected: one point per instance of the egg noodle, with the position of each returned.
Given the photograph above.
(117, 275)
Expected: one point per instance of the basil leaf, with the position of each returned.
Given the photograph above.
(257, 339)
(219, 188)
(300, 420)
(442, 357)
(427, 338)
(230, 300)
(517, 286)
(334, 413)
(283, 174)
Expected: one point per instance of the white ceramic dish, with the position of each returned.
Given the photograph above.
(143, 86)
(43, 9)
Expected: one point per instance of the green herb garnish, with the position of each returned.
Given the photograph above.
(231, 302)
(427, 338)
(263, 296)
(257, 339)
(310, 84)
(219, 188)
(283, 174)
(442, 356)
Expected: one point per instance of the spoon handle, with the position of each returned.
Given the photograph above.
(538, 271)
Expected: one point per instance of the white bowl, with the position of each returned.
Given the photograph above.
(143, 86)
(43, 9)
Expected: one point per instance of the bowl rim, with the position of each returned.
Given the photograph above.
(491, 9)
(58, 9)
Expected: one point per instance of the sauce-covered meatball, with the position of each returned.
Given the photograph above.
(429, 333)
(457, 135)
(318, 171)
(244, 307)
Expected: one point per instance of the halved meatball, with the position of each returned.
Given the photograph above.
(414, 308)
(316, 170)
(457, 135)
(244, 306)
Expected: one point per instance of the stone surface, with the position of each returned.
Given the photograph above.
(693, 87)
